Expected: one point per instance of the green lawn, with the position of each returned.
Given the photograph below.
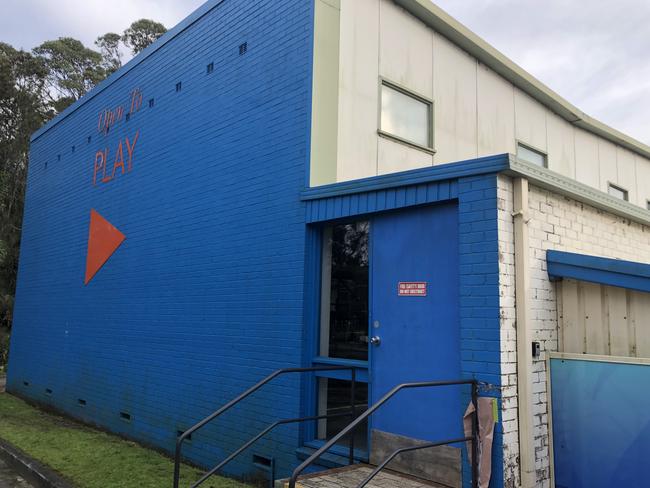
(87, 457)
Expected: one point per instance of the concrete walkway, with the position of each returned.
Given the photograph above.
(10, 479)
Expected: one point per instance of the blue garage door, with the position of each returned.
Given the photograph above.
(601, 423)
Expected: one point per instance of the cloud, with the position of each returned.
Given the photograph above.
(43, 20)
(592, 52)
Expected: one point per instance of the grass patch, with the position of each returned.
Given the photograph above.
(88, 457)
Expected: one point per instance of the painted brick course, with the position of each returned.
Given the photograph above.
(181, 316)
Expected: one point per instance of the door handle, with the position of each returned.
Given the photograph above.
(375, 340)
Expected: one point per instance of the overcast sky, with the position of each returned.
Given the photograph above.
(595, 53)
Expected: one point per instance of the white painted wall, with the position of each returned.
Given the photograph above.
(601, 320)
(476, 112)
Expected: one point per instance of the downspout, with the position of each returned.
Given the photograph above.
(524, 353)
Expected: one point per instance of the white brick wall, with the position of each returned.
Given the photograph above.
(559, 223)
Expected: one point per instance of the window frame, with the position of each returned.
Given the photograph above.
(626, 193)
(430, 148)
(534, 149)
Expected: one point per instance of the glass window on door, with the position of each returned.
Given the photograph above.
(344, 292)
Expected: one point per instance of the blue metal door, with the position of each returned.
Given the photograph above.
(417, 324)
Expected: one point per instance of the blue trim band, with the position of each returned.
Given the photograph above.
(606, 271)
(395, 191)
(470, 167)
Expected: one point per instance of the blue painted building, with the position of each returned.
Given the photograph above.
(298, 183)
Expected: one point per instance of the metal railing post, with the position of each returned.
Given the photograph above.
(353, 425)
(352, 412)
(233, 402)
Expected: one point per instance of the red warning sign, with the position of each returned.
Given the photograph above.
(412, 289)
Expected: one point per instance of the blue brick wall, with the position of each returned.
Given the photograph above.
(205, 296)
(479, 295)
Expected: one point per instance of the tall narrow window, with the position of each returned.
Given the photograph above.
(406, 116)
(344, 292)
(530, 155)
(617, 192)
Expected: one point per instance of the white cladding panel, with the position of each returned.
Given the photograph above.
(359, 93)
(455, 132)
(561, 146)
(476, 111)
(607, 157)
(626, 172)
(496, 113)
(587, 161)
(530, 121)
(406, 49)
(642, 181)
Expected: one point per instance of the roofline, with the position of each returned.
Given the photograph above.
(441, 22)
(446, 25)
(138, 59)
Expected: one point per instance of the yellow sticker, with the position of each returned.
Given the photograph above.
(495, 411)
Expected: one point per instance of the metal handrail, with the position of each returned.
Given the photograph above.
(261, 434)
(396, 453)
(247, 393)
(423, 384)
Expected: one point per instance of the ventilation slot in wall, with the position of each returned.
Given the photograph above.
(81, 402)
(48, 391)
(126, 416)
(151, 103)
(73, 148)
(25, 383)
(127, 117)
(243, 48)
(45, 165)
(179, 86)
(89, 139)
(210, 68)
(58, 157)
(262, 462)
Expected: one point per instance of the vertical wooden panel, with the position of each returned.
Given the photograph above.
(597, 319)
(572, 325)
(595, 323)
(640, 312)
(616, 304)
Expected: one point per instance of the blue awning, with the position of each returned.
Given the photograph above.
(606, 271)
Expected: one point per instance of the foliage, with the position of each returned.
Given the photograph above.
(141, 33)
(109, 46)
(87, 457)
(72, 70)
(22, 111)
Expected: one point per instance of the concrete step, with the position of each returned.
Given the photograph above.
(351, 476)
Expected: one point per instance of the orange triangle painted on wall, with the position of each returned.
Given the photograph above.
(103, 240)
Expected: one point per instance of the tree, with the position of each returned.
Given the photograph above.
(109, 46)
(23, 109)
(72, 68)
(141, 33)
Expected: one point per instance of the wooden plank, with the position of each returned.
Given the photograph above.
(595, 320)
(572, 324)
(617, 323)
(640, 313)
